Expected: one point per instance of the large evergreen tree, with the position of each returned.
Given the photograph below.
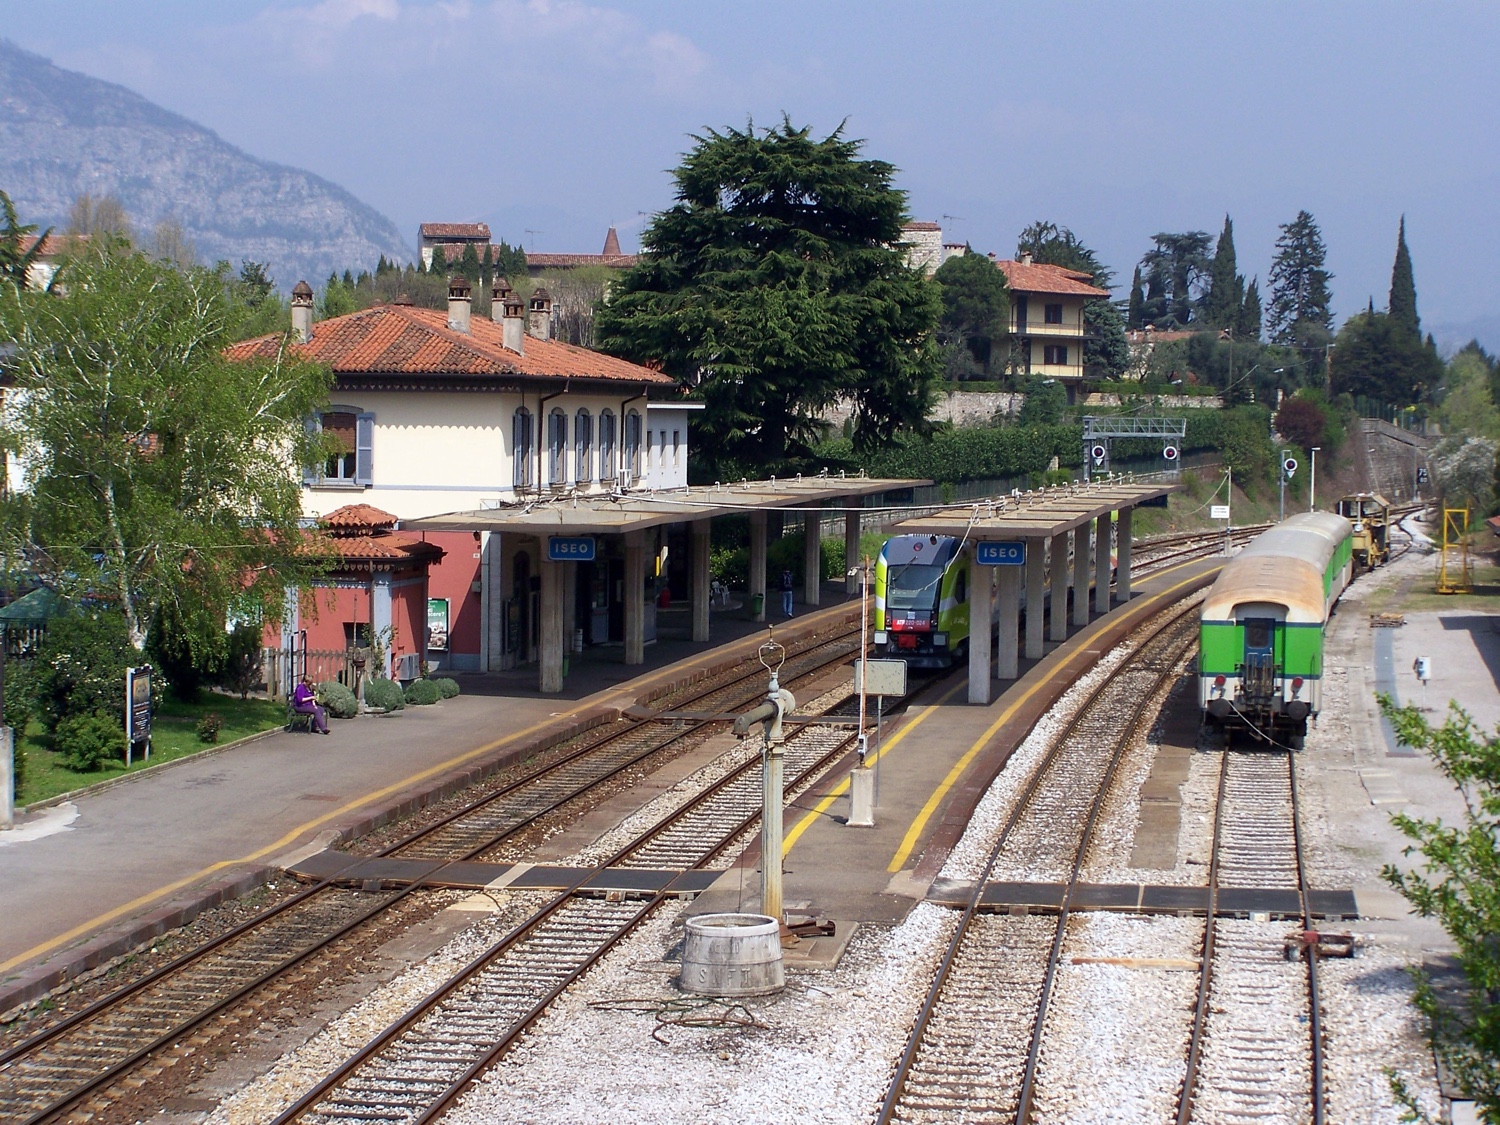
(976, 305)
(1247, 326)
(773, 288)
(1176, 269)
(1299, 283)
(1378, 359)
(16, 258)
(1403, 303)
(1224, 301)
(1135, 311)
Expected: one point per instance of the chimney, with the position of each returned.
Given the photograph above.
(500, 292)
(459, 303)
(540, 325)
(1026, 257)
(302, 312)
(513, 324)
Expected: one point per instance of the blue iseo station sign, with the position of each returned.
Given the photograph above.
(1000, 554)
(570, 548)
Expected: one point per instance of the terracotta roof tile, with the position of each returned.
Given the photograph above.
(1040, 278)
(359, 516)
(921, 225)
(565, 261)
(384, 548)
(405, 340)
(455, 230)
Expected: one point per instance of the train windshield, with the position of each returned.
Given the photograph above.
(913, 586)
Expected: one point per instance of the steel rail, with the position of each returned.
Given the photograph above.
(428, 1004)
(904, 1065)
(1310, 950)
(198, 955)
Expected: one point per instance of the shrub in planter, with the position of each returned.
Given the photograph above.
(87, 741)
(209, 726)
(338, 700)
(423, 693)
(384, 695)
(448, 687)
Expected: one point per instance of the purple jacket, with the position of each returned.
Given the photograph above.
(303, 698)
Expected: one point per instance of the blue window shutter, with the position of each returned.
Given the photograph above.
(311, 473)
(364, 448)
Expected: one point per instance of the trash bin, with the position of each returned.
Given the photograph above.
(757, 604)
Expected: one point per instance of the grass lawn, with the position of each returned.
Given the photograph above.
(173, 736)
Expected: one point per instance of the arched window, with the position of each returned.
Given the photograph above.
(607, 445)
(521, 448)
(583, 446)
(631, 469)
(557, 448)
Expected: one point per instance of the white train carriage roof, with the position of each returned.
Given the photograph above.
(1284, 566)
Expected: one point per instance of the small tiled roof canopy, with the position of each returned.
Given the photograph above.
(405, 340)
(456, 230)
(1039, 278)
(362, 533)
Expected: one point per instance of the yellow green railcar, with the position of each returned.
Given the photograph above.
(1370, 515)
(922, 587)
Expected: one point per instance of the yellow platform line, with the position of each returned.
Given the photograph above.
(919, 825)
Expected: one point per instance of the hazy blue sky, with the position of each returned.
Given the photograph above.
(1116, 119)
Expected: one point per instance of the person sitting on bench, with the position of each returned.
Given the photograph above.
(305, 702)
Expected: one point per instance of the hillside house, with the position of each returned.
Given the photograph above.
(451, 235)
(1047, 325)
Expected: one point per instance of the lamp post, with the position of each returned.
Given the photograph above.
(1312, 487)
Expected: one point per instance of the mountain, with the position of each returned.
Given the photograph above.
(63, 134)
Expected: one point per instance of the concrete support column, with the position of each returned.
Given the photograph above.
(1057, 570)
(1008, 594)
(812, 536)
(1101, 564)
(551, 678)
(851, 546)
(1036, 574)
(569, 604)
(1081, 574)
(1122, 570)
(981, 618)
(700, 591)
(635, 605)
(758, 562)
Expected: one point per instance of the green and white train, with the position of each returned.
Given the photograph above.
(922, 599)
(1260, 656)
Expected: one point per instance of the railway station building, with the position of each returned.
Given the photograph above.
(539, 492)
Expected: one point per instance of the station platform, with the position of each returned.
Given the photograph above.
(88, 877)
(935, 764)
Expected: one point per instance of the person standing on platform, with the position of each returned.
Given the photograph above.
(786, 593)
(305, 702)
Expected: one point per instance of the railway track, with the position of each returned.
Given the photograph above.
(973, 1053)
(1255, 1050)
(80, 1057)
(422, 1063)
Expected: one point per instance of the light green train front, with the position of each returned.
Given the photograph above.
(1260, 661)
(922, 599)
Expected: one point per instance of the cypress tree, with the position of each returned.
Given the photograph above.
(1247, 326)
(1403, 304)
(1226, 288)
(468, 263)
(1135, 311)
(487, 267)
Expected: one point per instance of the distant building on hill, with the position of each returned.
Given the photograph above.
(430, 235)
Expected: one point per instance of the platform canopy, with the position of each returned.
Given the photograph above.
(603, 514)
(1041, 513)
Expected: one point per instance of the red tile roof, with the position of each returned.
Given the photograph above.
(568, 261)
(358, 516)
(55, 244)
(384, 548)
(1040, 278)
(921, 225)
(405, 340)
(455, 230)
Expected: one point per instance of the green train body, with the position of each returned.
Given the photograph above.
(922, 599)
(1262, 626)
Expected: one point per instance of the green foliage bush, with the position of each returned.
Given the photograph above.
(338, 700)
(423, 693)
(448, 687)
(384, 695)
(209, 726)
(242, 668)
(86, 741)
(80, 668)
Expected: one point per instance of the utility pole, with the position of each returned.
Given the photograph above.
(1312, 487)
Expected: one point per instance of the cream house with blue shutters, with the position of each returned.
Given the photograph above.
(437, 412)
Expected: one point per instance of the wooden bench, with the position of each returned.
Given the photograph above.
(298, 720)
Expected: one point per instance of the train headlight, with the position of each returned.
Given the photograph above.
(1296, 684)
(940, 640)
(1220, 681)
(882, 637)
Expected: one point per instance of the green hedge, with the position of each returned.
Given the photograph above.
(448, 687)
(338, 700)
(384, 695)
(423, 693)
(84, 741)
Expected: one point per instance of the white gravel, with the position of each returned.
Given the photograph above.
(1117, 1035)
(823, 1050)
